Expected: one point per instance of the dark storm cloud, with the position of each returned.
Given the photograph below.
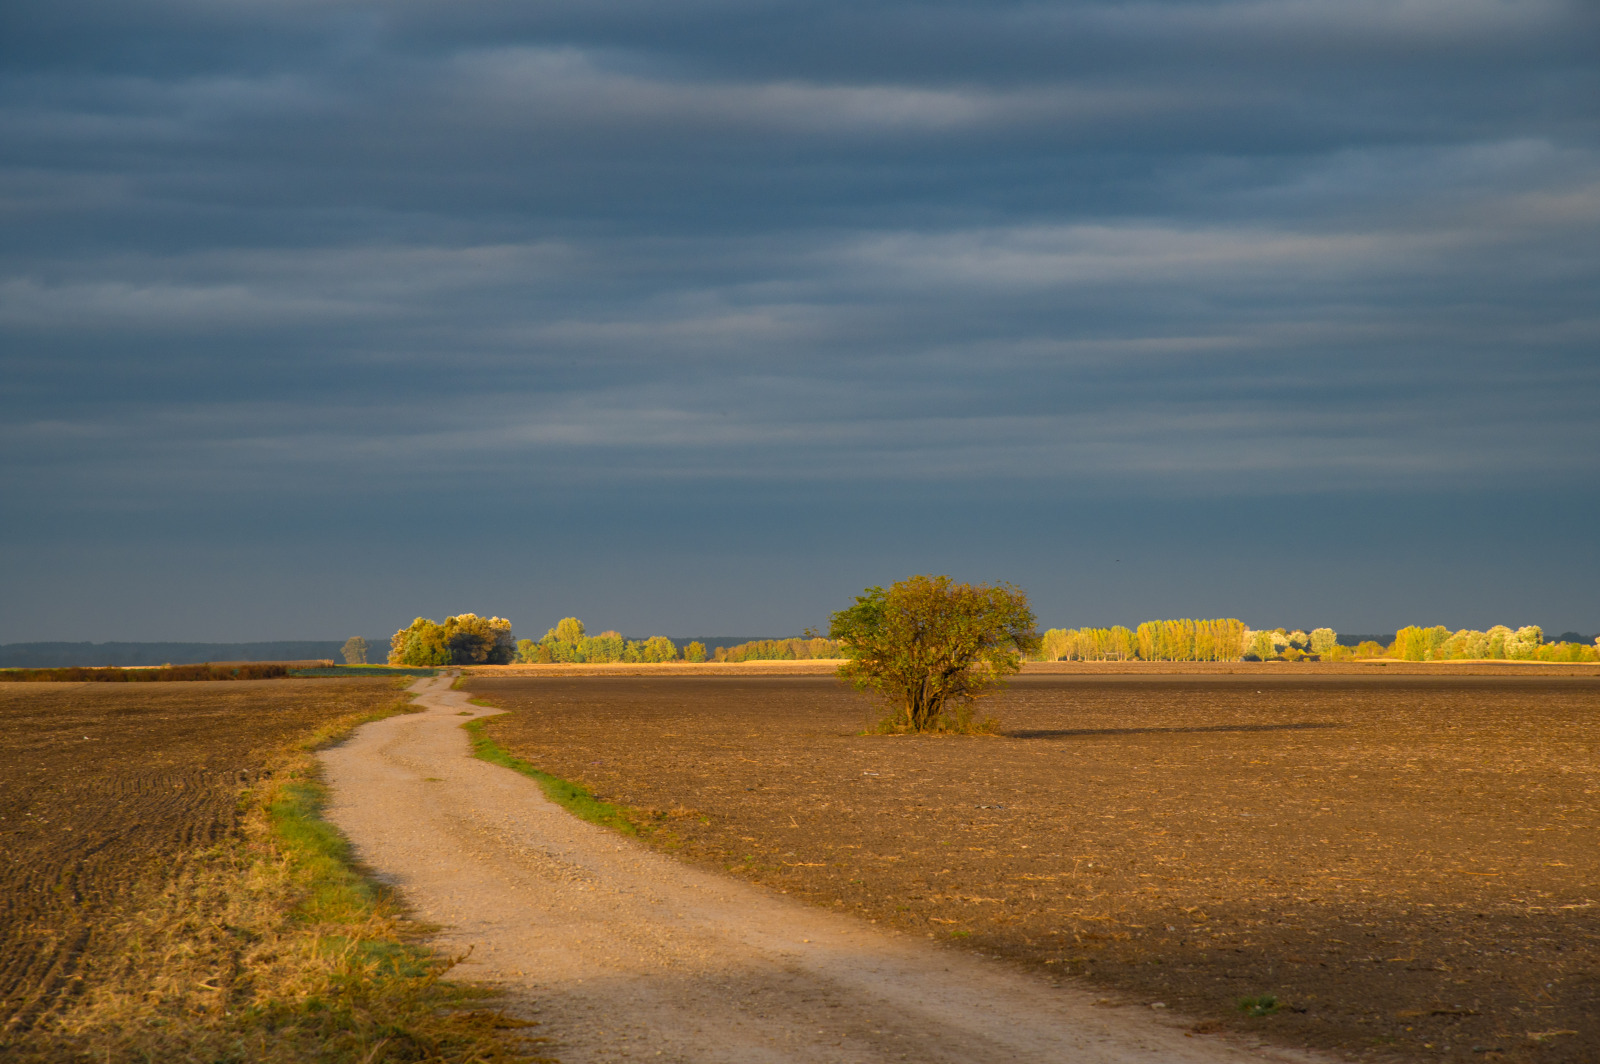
(321, 256)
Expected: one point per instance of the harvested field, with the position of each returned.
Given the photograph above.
(1406, 865)
(106, 790)
(78, 674)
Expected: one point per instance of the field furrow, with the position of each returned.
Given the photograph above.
(107, 794)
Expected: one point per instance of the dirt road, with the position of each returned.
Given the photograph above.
(623, 954)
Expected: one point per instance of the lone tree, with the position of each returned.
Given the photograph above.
(355, 651)
(929, 647)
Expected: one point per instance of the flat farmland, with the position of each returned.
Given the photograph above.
(1407, 866)
(106, 790)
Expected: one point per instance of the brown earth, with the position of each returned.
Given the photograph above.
(1406, 863)
(105, 791)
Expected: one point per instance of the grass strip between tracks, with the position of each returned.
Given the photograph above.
(570, 796)
(275, 948)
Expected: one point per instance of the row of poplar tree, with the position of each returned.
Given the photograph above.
(1228, 639)
(1222, 639)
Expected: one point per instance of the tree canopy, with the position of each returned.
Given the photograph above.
(465, 639)
(929, 647)
(355, 651)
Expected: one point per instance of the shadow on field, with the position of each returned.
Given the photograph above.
(1070, 733)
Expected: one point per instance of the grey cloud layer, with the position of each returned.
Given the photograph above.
(1237, 247)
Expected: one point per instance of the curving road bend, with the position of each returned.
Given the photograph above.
(623, 954)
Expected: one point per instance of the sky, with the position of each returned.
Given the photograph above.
(316, 316)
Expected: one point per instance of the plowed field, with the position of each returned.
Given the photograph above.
(105, 789)
(1406, 867)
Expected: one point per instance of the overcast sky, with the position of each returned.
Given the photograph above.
(701, 316)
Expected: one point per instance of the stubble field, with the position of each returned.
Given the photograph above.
(1401, 866)
(106, 792)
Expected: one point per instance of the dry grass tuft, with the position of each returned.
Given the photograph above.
(268, 947)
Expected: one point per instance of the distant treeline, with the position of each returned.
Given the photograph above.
(62, 655)
(1232, 640)
(1498, 643)
(603, 649)
(804, 649)
(569, 642)
(175, 672)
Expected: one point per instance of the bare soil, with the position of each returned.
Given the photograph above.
(104, 791)
(1406, 863)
